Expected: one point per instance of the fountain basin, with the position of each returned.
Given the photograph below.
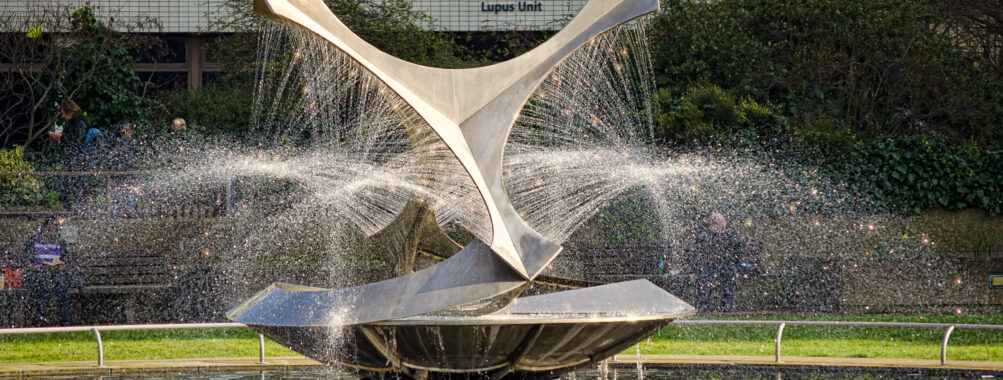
(533, 337)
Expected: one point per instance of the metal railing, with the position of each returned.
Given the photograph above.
(96, 330)
(948, 328)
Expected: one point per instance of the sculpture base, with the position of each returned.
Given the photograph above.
(534, 337)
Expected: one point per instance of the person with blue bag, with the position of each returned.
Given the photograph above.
(72, 134)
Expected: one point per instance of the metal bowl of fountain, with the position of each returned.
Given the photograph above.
(533, 337)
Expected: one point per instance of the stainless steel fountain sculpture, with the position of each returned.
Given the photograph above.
(463, 315)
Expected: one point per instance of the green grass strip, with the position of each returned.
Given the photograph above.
(672, 340)
(136, 345)
(833, 342)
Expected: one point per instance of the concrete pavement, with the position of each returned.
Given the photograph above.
(120, 367)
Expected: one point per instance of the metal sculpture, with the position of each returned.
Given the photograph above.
(472, 111)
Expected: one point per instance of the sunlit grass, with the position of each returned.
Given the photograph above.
(672, 340)
(136, 345)
(833, 342)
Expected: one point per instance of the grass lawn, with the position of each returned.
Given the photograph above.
(758, 341)
(134, 345)
(834, 342)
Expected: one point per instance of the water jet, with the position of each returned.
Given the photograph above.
(464, 315)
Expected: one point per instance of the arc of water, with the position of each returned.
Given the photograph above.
(472, 110)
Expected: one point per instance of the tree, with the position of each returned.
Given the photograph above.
(393, 26)
(52, 52)
(979, 28)
(880, 67)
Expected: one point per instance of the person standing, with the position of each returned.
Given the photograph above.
(716, 253)
(72, 136)
(47, 269)
(120, 159)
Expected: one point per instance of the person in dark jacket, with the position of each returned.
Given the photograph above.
(120, 159)
(716, 254)
(72, 136)
(47, 269)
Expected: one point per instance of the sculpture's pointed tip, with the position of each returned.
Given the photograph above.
(511, 258)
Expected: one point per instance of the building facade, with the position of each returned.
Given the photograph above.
(499, 15)
(187, 25)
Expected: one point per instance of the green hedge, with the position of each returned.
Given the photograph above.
(21, 190)
(918, 172)
(98, 60)
(877, 67)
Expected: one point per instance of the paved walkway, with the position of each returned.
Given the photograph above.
(657, 360)
(113, 367)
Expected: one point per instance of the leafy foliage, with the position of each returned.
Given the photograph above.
(20, 190)
(709, 114)
(217, 107)
(917, 173)
(879, 67)
(81, 58)
(629, 219)
(108, 91)
(823, 137)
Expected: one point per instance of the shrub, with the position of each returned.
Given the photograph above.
(921, 172)
(879, 67)
(710, 114)
(20, 190)
(823, 137)
(107, 82)
(216, 107)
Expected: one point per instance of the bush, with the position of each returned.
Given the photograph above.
(921, 172)
(823, 137)
(107, 82)
(216, 108)
(879, 67)
(712, 115)
(21, 190)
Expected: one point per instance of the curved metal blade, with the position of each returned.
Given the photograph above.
(472, 110)
(471, 275)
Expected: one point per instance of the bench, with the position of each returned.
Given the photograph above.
(128, 273)
(125, 274)
(13, 307)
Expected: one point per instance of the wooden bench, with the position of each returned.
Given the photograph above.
(127, 274)
(124, 272)
(13, 307)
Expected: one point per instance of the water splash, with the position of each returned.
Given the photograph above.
(340, 156)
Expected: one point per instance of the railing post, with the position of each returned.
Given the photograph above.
(780, 335)
(229, 197)
(261, 349)
(97, 335)
(109, 192)
(943, 345)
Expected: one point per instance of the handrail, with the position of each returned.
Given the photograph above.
(949, 328)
